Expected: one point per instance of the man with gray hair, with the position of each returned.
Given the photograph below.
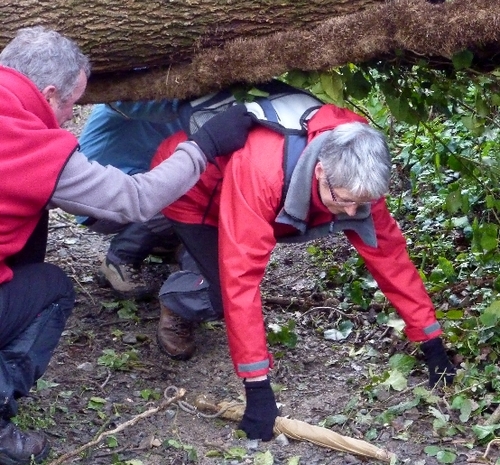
(234, 216)
(42, 75)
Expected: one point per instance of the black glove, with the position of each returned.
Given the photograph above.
(438, 362)
(260, 412)
(224, 133)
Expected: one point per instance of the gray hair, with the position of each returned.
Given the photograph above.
(47, 58)
(356, 157)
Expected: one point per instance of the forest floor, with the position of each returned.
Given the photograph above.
(108, 373)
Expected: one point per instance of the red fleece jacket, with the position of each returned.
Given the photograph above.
(33, 152)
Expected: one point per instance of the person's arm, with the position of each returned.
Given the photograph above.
(398, 278)
(250, 198)
(396, 275)
(104, 192)
(90, 189)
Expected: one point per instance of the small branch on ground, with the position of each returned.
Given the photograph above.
(179, 394)
(491, 443)
(494, 418)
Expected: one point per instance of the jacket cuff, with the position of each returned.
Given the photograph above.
(424, 334)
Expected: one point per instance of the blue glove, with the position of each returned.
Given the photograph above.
(440, 367)
(260, 412)
(224, 133)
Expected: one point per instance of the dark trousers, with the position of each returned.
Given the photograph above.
(34, 307)
(201, 242)
(133, 242)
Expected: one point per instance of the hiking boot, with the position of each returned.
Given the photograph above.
(124, 278)
(175, 335)
(19, 447)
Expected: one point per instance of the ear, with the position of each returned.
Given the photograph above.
(319, 172)
(49, 93)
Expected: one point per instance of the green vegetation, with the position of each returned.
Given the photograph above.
(443, 128)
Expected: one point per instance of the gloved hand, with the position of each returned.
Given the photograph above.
(224, 133)
(438, 362)
(261, 410)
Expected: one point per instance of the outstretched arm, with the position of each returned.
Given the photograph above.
(397, 277)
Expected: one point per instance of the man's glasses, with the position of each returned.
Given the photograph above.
(343, 203)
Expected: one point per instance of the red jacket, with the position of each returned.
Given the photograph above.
(33, 152)
(243, 200)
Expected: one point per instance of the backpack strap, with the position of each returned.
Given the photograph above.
(284, 110)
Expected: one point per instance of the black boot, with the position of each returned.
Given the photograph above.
(19, 447)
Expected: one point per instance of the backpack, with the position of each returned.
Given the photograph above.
(281, 108)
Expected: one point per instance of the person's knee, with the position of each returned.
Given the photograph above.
(187, 295)
(65, 290)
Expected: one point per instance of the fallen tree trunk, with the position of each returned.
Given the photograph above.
(121, 35)
(199, 46)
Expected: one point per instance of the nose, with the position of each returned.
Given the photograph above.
(351, 210)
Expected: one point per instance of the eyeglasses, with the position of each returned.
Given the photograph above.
(343, 203)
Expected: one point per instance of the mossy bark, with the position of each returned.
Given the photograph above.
(120, 35)
(143, 49)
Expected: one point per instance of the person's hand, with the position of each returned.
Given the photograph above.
(438, 363)
(224, 133)
(260, 412)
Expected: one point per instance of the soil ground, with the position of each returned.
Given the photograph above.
(83, 394)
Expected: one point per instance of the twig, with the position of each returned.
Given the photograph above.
(74, 276)
(494, 418)
(106, 380)
(494, 441)
(286, 301)
(179, 394)
(320, 309)
(189, 408)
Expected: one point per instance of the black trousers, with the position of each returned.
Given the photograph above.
(201, 242)
(34, 307)
(133, 242)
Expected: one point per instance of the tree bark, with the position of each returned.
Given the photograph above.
(144, 49)
(120, 35)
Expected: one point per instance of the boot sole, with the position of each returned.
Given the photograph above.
(181, 357)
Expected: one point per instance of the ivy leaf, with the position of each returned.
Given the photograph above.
(432, 450)
(283, 334)
(482, 107)
(112, 442)
(489, 237)
(446, 456)
(263, 458)
(483, 431)
(455, 201)
(257, 92)
(402, 362)
(358, 86)
(495, 100)
(333, 87)
(462, 60)
(331, 420)
(491, 315)
(396, 380)
(454, 314)
(343, 331)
